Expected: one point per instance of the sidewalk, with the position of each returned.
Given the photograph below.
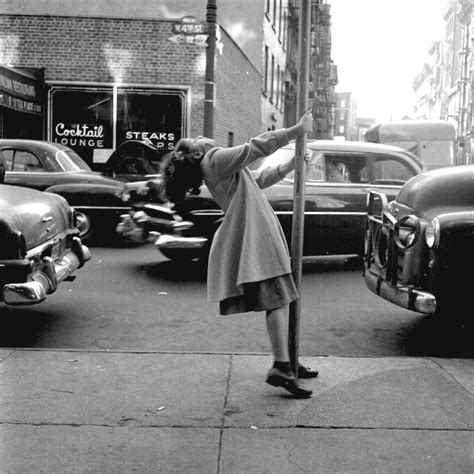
(152, 412)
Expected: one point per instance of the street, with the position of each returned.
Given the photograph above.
(132, 298)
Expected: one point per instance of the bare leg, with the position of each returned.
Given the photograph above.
(277, 327)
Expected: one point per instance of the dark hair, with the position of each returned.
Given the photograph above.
(181, 173)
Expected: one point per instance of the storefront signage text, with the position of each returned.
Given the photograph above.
(160, 139)
(18, 92)
(79, 135)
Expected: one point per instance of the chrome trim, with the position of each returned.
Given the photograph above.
(406, 297)
(167, 241)
(323, 213)
(117, 208)
(46, 280)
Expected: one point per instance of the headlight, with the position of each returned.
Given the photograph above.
(406, 231)
(432, 234)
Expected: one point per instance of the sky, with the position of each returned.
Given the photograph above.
(379, 47)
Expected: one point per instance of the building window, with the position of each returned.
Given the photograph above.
(277, 100)
(342, 130)
(272, 81)
(230, 139)
(93, 121)
(266, 72)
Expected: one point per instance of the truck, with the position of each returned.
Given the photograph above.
(433, 141)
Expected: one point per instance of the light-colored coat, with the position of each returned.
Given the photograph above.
(249, 245)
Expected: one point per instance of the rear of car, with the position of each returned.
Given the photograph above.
(39, 244)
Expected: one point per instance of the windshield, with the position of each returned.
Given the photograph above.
(69, 160)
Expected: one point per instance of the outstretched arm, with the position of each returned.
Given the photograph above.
(223, 162)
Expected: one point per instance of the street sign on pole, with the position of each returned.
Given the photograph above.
(299, 188)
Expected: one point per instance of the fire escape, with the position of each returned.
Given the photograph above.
(323, 73)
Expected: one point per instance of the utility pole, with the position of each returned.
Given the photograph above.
(304, 32)
(211, 19)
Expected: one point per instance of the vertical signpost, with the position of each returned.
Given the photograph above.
(211, 19)
(304, 30)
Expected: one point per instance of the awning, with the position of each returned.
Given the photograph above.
(20, 90)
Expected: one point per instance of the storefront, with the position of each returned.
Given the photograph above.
(21, 103)
(94, 119)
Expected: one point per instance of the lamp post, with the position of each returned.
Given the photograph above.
(211, 19)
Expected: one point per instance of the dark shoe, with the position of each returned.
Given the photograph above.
(306, 372)
(288, 382)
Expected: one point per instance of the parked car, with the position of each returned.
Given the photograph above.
(338, 177)
(56, 168)
(420, 246)
(39, 243)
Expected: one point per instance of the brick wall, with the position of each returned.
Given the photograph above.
(102, 50)
(238, 95)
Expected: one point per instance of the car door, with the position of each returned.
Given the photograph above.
(337, 184)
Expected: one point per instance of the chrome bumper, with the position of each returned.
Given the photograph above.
(46, 280)
(167, 241)
(408, 298)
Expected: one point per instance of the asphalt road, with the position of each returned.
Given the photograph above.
(132, 298)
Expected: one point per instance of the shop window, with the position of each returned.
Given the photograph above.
(82, 119)
(95, 120)
(149, 116)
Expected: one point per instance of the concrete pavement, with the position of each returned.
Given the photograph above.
(154, 412)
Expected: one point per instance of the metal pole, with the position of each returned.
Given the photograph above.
(211, 19)
(304, 28)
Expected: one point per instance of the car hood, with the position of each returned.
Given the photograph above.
(39, 216)
(443, 187)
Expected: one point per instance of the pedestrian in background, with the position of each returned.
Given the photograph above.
(249, 265)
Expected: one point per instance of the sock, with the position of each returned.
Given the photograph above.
(283, 367)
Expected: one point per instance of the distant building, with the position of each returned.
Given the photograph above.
(346, 116)
(363, 124)
(323, 72)
(444, 87)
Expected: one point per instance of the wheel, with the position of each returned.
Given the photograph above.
(84, 224)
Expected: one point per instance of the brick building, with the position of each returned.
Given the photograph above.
(109, 78)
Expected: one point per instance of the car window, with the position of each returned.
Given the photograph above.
(25, 161)
(8, 159)
(315, 170)
(344, 168)
(390, 170)
(69, 160)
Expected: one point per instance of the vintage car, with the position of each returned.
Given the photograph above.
(39, 244)
(420, 246)
(339, 176)
(56, 168)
